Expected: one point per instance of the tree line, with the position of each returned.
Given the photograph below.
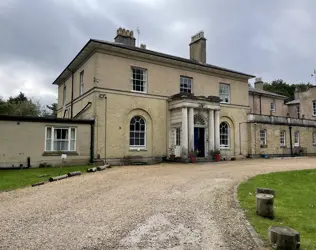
(283, 88)
(21, 105)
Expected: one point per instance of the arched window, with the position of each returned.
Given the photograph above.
(224, 135)
(137, 134)
(199, 120)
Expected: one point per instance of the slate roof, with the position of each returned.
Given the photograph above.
(293, 102)
(93, 44)
(266, 93)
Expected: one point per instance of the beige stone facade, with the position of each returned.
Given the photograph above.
(109, 98)
(107, 72)
(124, 104)
(25, 141)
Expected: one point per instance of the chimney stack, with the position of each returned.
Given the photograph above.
(297, 93)
(259, 83)
(198, 47)
(125, 37)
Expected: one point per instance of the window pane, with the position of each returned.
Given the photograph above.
(139, 79)
(60, 145)
(73, 133)
(72, 145)
(224, 135)
(48, 145)
(137, 131)
(48, 132)
(185, 84)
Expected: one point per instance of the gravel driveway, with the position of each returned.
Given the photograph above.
(167, 206)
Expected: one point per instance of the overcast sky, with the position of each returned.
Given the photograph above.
(270, 39)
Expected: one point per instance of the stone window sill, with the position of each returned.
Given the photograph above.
(283, 146)
(59, 153)
(263, 146)
(225, 149)
(137, 149)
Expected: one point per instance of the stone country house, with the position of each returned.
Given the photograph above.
(121, 103)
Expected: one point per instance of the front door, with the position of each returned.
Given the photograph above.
(199, 141)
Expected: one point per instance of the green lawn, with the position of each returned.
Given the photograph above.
(294, 204)
(12, 179)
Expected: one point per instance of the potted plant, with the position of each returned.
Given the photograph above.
(193, 155)
(217, 154)
(172, 156)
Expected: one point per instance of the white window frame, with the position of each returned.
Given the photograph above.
(283, 135)
(296, 139)
(225, 146)
(185, 80)
(177, 136)
(138, 147)
(314, 108)
(223, 96)
(144, 81)
(314, 138)
(64, 94)
(52, 139)
(81, 87)
(272, 106)
(263, 136)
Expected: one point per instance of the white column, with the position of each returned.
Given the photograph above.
(191, 129)
(211, 132)
(217, 141)
(184, 134)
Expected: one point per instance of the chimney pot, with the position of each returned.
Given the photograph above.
(143, 46)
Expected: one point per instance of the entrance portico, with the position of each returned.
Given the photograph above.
(199, 123)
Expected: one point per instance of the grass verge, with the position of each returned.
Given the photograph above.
(18, 178)
(294, 204)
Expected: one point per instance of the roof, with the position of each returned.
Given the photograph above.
(266, 93)
(293, 102)
(43, 119)
(93, 44)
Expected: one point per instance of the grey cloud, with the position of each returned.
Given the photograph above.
(272, 39)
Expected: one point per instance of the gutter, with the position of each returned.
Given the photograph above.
(44, 119)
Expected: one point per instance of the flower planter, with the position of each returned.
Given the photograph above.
(193, 158)
(172, 157)
(217, 157)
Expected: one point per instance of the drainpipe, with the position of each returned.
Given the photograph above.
(72, 94)
(290, 129)
(255, 138)
(92, 142)
(105, 122)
